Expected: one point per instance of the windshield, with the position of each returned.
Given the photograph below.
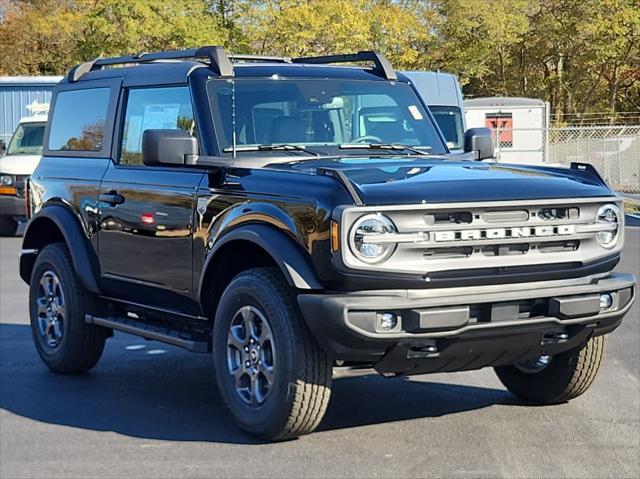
(27, 140)
(320, 115)
(449, 119)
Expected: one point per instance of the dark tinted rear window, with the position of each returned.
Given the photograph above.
(78, 121)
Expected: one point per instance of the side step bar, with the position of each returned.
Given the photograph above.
(150, 331)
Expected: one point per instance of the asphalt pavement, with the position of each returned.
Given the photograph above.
(152, 411)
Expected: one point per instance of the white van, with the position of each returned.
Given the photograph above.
(442, 94)
(18, 160)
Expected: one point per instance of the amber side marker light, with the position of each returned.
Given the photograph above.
(8, 190)
(335, 237)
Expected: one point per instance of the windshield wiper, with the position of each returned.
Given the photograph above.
(385, 146)
(275, 147)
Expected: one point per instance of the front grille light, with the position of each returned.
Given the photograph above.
(372, 225)
(611, 216)
(7, 180)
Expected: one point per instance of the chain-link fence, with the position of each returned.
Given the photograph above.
(613, 150)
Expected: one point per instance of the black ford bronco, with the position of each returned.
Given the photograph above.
(288, 215)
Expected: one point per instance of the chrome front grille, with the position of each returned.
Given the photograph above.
(442, 237)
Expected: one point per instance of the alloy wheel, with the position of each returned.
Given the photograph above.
(251, 357)
(51, 309)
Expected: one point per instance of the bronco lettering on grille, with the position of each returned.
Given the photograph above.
(504, 233)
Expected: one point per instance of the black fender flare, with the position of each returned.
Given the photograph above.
(83, 257)
(289, 257)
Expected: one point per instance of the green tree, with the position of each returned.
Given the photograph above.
(48, 37)
(582, 55)
(299, 28)
(475, 40)
(38, 37)
(578, 53)
(124, 26)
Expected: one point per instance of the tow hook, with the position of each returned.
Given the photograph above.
(422, 350)
(555, 337)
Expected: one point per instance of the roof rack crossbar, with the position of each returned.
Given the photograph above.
(381, 63)
(259, 58)
(216, 56)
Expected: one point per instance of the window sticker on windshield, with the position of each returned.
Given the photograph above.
(415, 113)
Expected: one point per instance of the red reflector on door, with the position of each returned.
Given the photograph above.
(147, 218)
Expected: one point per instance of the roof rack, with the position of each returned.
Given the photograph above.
(216, 55)
(222, 63)
(382, 64)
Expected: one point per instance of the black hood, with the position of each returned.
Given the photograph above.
(384, 181)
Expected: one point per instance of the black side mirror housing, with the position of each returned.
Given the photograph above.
(479, 141)
(3, 147)
(167, 147)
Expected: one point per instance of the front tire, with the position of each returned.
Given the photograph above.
(57, 306)
(272, 374)
(560, 378)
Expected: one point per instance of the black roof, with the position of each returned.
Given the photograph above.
(175, 67)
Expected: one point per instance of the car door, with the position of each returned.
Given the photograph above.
(146, 213)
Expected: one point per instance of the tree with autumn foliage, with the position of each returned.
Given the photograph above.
(582, 55)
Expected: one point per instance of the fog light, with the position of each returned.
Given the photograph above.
(606, 301)
(387, 321)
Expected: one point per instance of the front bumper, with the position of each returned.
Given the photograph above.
(12, 206)
(453, 329)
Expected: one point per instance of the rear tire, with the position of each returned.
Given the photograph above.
(57, 306)
(293, 401)
(8, 226)
(566, 376)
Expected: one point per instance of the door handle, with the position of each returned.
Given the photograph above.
(112, 198)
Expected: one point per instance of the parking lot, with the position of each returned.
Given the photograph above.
(150, 410)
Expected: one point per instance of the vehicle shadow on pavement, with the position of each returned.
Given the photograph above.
(172, 396)
(373, 399)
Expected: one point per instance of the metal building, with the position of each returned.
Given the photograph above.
(18, 92)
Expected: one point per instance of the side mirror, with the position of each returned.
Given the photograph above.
(480, 141)
(3, 147)
(167, 147)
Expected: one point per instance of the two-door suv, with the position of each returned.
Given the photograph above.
(291, 214)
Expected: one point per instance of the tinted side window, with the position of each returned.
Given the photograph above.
(78, 121)
(150, 109)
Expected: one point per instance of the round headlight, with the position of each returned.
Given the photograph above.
(6, 180)
(368, 250)
(609, 215)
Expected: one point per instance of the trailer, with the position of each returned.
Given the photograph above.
(520, 126)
